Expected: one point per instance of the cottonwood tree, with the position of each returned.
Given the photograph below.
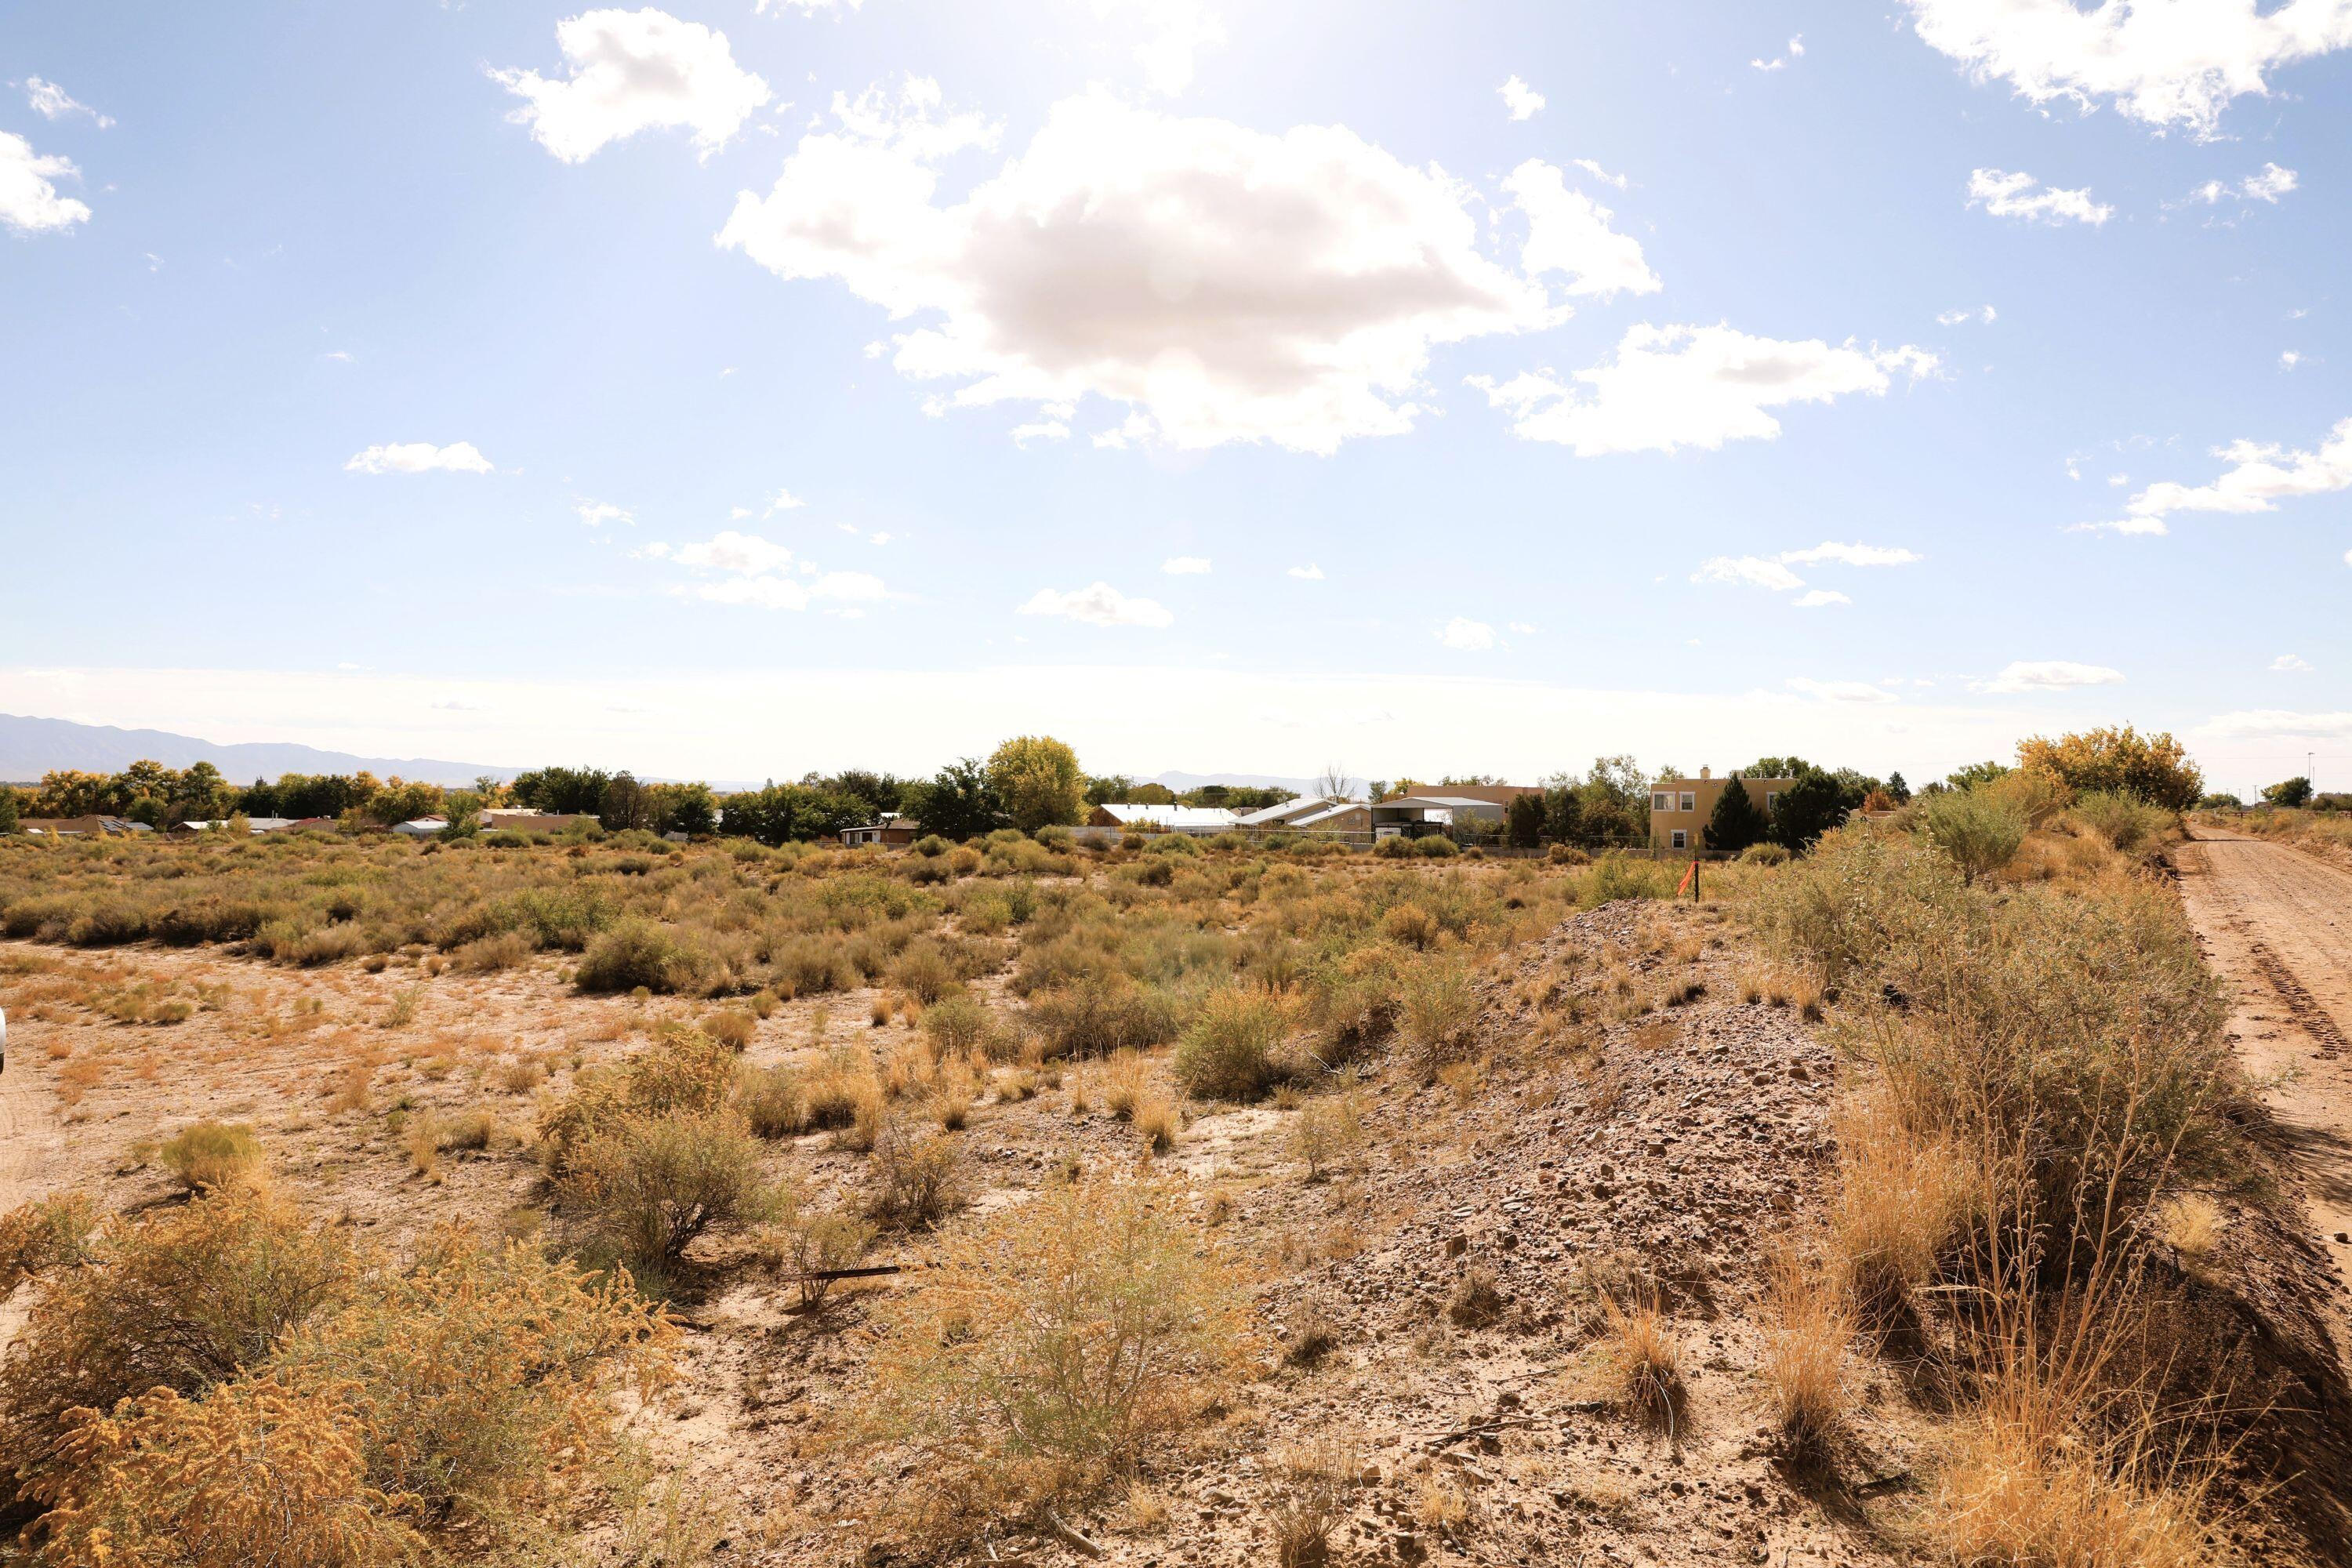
(1037, 778)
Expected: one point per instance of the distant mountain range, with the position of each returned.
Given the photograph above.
(31, 747)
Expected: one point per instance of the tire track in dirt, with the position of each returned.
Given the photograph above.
(2277, 923)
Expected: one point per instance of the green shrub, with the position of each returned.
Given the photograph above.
(1100, 1014)
(1764, 853)
(772, 1101)
(1228, 1053)
(2123, 820)
(1980, 831)
(1439, 1008)
(1436, 847)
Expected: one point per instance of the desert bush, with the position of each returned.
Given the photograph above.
(2124, 821)
(917, 1180)
(957, 1024)
(2035, 794)
(1977, 830)
(1052, 1347)
(1435, 846)
(1765, 853)
(1438, 1009)
(180, 1300)
(640, 953)
(772, 1101)
(1158, 1122)
(1614, 876)
(212, 1154)
(648, 1185)
(508, 950)
(257, 1471)
(44, 1233)
(733, 1029)
(1099, 1015)
(924, 972)
(1328, 1135)
(1228, 1053)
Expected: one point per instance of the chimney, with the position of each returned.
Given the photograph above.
(1706, 773)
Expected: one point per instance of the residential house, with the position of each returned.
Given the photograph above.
(1288, 812)
(80, 826)
(1417, 815)
(1498, 795)
(421, 827)
(1333, 817)
(1200, 820)
(1680, 808)
(890, 829)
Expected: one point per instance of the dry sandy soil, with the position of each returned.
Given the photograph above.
(1669, 1150)
(2277, 923)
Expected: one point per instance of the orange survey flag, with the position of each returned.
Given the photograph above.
(1684, 886)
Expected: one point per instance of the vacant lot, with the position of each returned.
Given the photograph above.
(1213, 1205)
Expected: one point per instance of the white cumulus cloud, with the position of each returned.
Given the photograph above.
(420, 457)
(1185, 565)
(1779, 62)
(1672, 387)
(597, 513)
(29, 203)
(51, 101)
(1310, 572)
(2292, 663)
(2259, 476)
(1097, 605)
(1469, 636)
(2163, 62)
(2048, 674)
(2006, 194)
(1569, 233)
(1984, 313)
(1220, 283)
(1820, 598)
(756, 574)
(1752, 571)
(1522, 100)
(1852, 554)
(630, 71)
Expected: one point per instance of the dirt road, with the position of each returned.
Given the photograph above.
(2278, 923)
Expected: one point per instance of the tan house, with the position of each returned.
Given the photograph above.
(1680, 808)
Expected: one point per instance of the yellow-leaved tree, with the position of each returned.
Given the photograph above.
(2155, 768)
(1037, 778)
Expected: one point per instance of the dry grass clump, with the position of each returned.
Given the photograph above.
(1646, 1356)
(1316, 1479)
(1808, 1324)
(1124, 1078)
(1158, 1122)
(2023, 1482)
(1896, 1213)
(1051, 1347)
(212, 1154)
(1476, 1301)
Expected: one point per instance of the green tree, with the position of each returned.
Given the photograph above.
(1735, 823)
(625, 805)
(1038, 780)
(958, 803)
(1975, 773)
(8, 809)
(686, 808)
(1808, 806)
(2293, 794)
(1108, 789)
(1524, 823)
(1900, 791)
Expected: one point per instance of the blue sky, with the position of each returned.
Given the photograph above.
(424, 380)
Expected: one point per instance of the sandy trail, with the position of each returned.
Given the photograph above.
(2278, 923)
